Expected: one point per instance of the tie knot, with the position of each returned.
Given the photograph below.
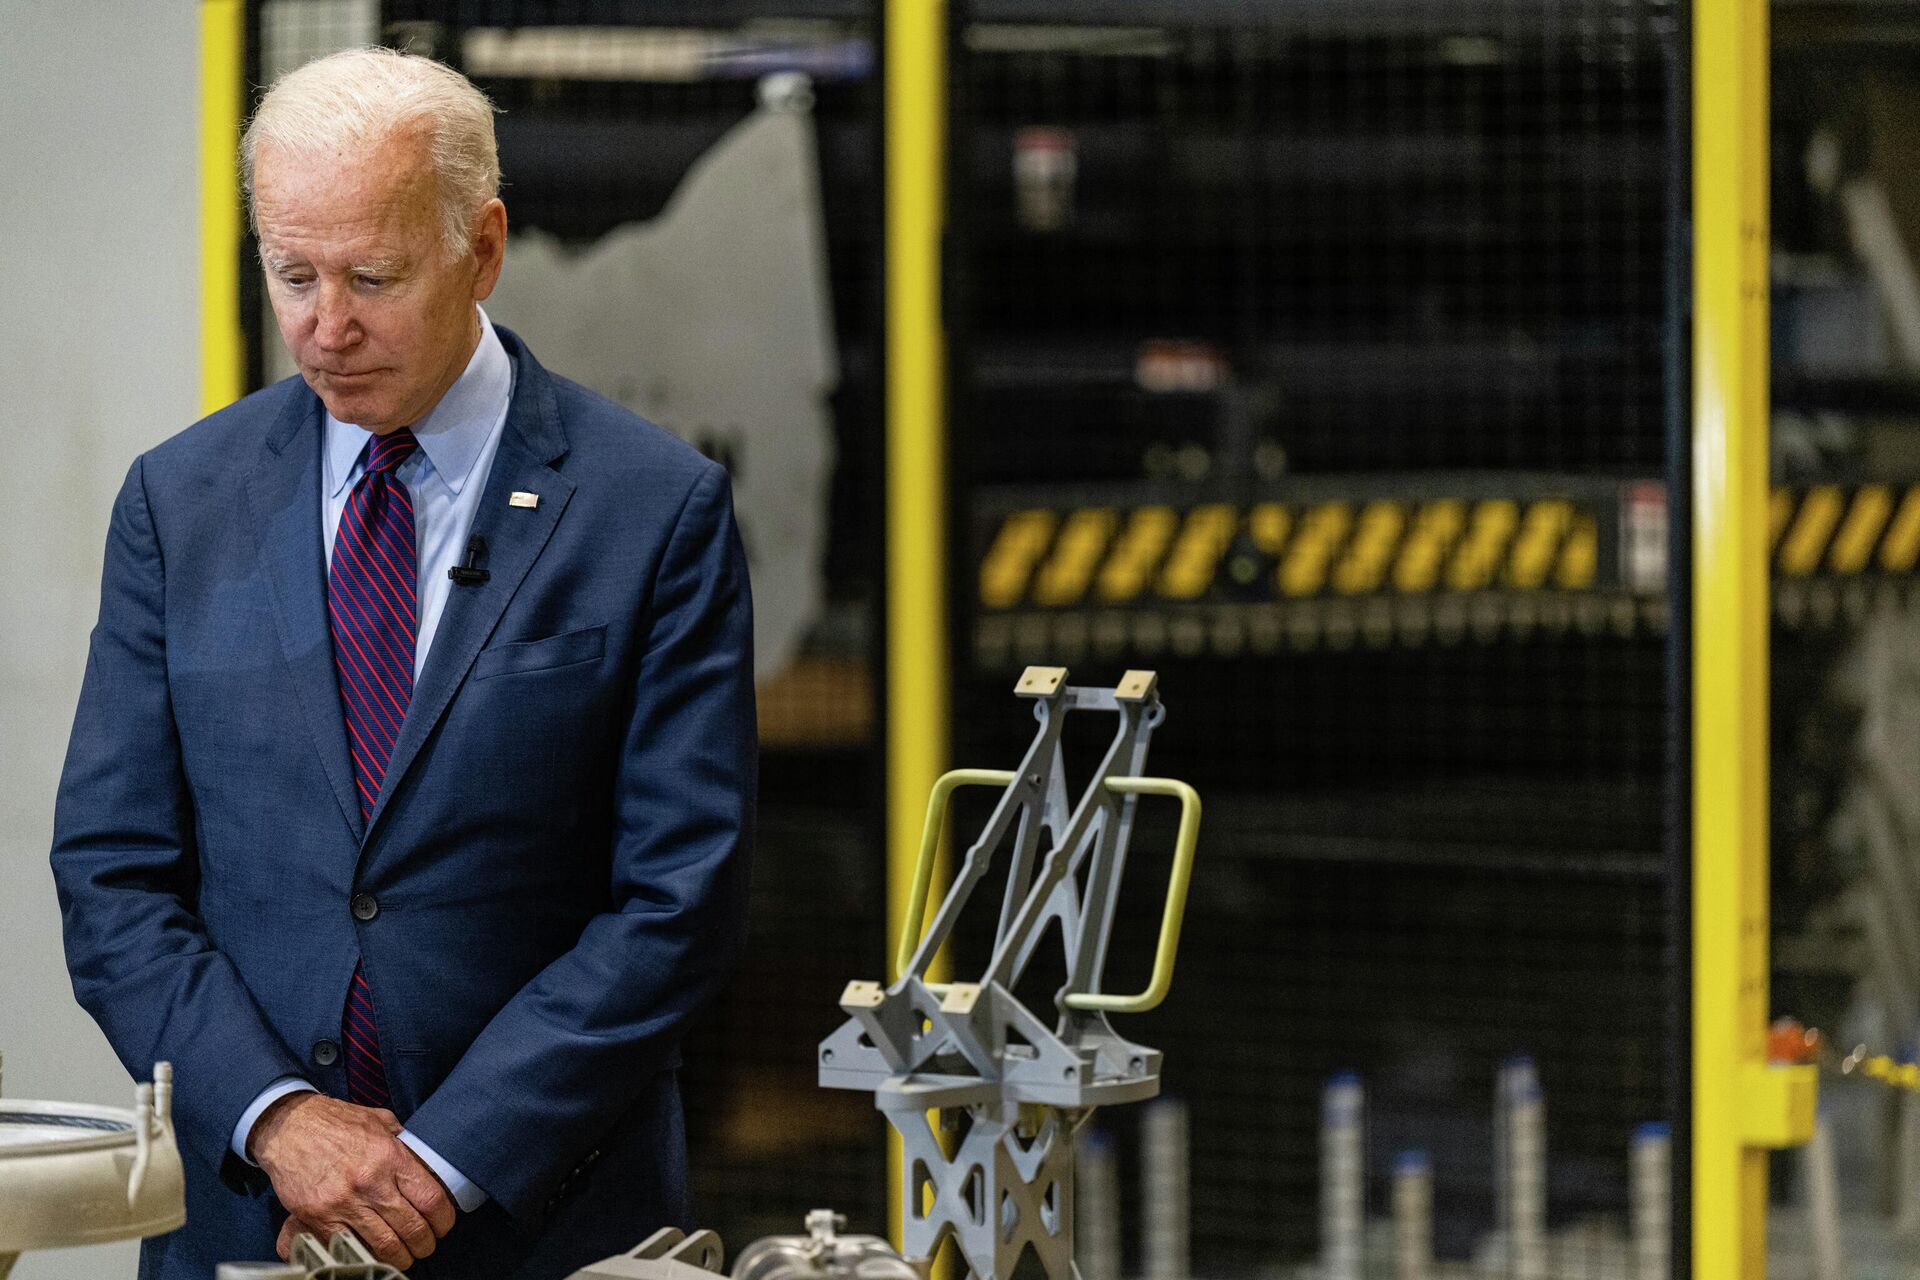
(384, 453)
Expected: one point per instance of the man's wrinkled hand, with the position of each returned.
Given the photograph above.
(336, 1166)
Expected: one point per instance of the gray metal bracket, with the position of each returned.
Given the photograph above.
(1011, 1087)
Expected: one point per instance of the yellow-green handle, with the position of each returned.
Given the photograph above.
(943, 790)
(1176, 909)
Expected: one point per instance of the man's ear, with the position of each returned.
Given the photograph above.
(489, 247)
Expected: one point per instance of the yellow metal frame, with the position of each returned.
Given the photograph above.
(915, 91)
(1741, 1105)
(1172, 915)
(914, 921)
(223, 363)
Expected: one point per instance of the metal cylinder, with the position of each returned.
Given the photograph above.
(1164, 1181)
(1522, 1121)
(1412, 1216)
(1343, 1176)
(1823, 1202)
(1097, 1208)
(259, 1271)
(1650, 1171)
(822, 1254)
(1514, 1075)
(1907, 1180)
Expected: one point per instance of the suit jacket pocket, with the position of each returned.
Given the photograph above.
(563, 650)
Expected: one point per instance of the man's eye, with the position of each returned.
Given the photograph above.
(370, 282)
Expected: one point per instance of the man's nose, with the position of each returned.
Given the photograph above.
(334, 325)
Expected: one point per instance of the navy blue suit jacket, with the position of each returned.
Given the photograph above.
(558, 857)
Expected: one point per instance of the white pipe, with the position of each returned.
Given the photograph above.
(1165, 1179)
(1525, 1182)
(143, 1136)
(1509, 1072)
(1890, 864)
(1876, 238)
(1907, 1185)
(1650, 1168)
(163, 1093)
(1412, 1216)
(1343, 1172)
(1885, 965)
(1823, 1202)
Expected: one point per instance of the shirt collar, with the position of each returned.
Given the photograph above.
(454, 431)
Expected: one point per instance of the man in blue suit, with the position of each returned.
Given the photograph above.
(408, 803)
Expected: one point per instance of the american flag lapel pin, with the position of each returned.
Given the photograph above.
(521, 498)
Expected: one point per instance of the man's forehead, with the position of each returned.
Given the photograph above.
(373, 203)
(290, 235)
(393, 173)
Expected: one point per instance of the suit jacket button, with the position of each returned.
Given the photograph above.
(365, 906)
(326, 1052)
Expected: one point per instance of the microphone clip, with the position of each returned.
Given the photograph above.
(470, 574)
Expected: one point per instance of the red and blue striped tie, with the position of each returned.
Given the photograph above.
(370, 599)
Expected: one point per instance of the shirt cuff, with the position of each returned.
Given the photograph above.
(465, 1194)
(268, 1096)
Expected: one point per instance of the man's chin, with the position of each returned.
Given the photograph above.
(359, 410)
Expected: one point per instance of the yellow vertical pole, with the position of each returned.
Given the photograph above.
(916, 118)
(223, 365)
(1741, 1105)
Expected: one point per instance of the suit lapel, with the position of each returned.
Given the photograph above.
(514, 537)
(283, 493)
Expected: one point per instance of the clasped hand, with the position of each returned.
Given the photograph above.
(337, 1166)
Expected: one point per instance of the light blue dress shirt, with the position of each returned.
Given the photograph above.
(446, 477)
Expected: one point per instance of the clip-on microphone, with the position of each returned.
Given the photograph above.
(468, 574)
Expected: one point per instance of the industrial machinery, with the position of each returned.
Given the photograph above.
(821, 1254)
(72, 1174)
(342, 1258)
(995, 1171)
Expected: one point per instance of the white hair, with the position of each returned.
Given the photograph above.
(355, 99)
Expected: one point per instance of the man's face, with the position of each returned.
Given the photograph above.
(378, 319)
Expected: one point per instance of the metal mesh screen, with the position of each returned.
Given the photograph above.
(1845, 218)
(1316, 357)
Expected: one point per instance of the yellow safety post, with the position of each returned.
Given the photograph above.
(1742, 1105)
(223, 363)
(915, 88)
